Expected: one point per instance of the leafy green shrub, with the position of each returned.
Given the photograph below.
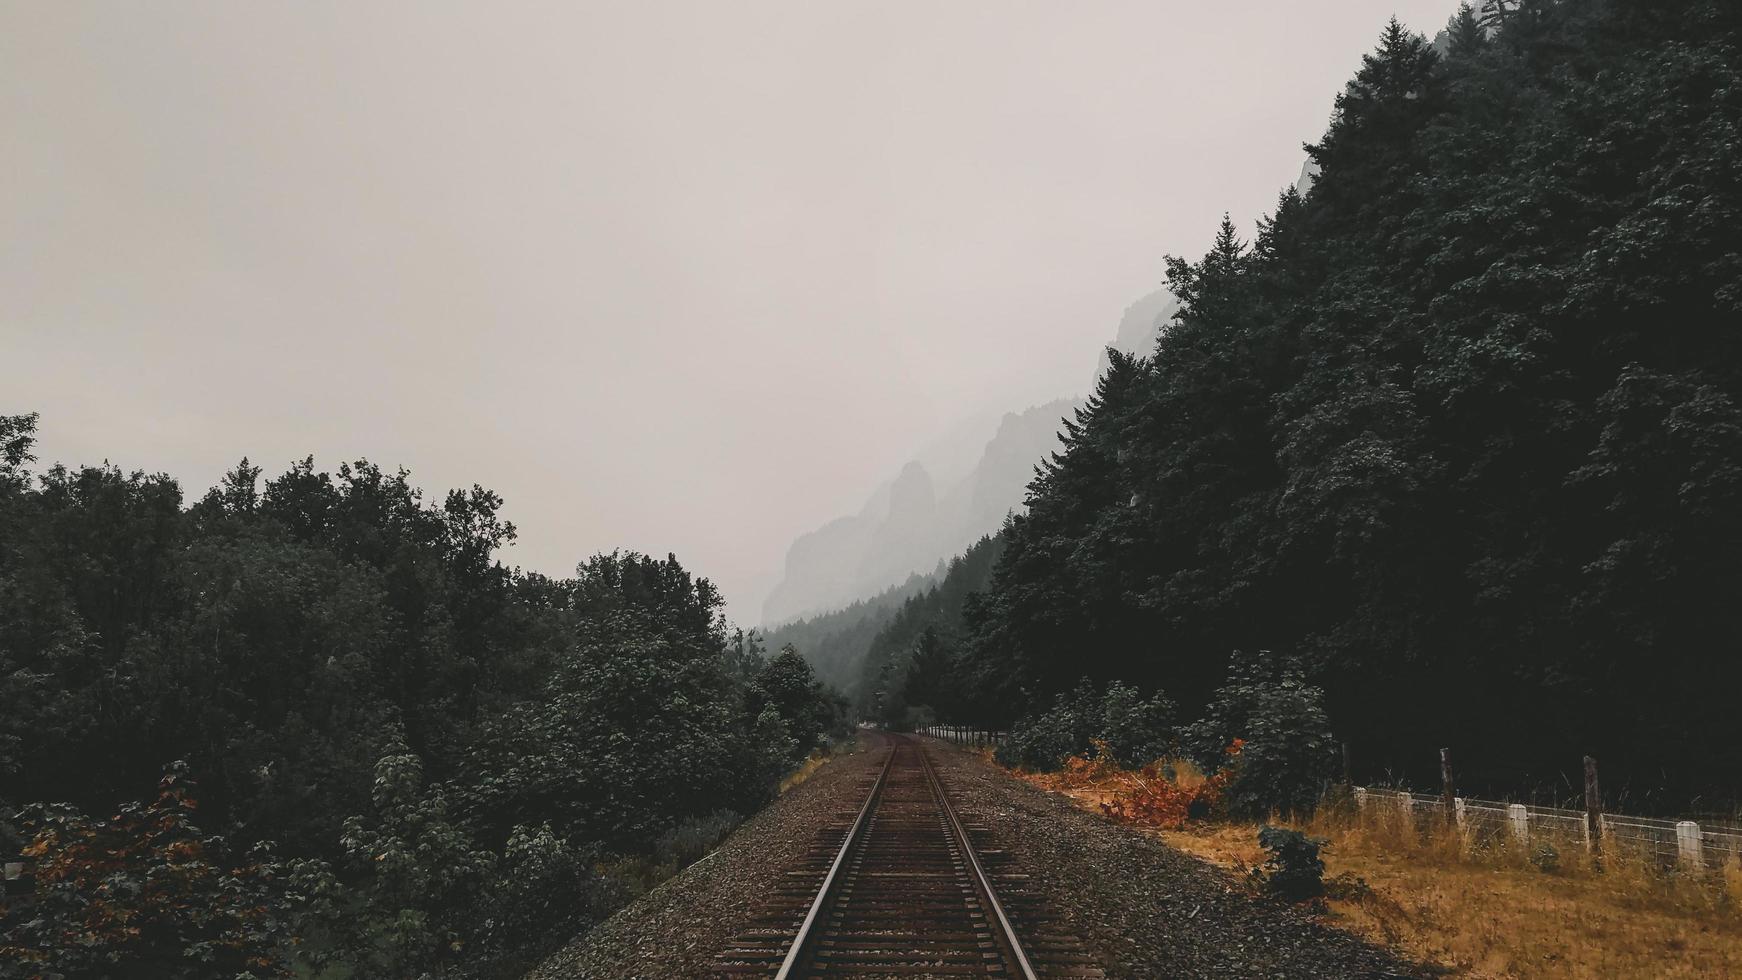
(770, 749)
(1289, 755)
(632, 732)
(1044, 742)
(1293, 870)
(1545, 857)
(788, 684)
(145, 894)
(1137, 731)
(547, 890)
(416, 873)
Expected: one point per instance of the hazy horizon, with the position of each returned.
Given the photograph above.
(686, 278)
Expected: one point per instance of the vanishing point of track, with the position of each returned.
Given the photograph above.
(898, 889)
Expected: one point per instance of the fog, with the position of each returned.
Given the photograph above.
(685, 277)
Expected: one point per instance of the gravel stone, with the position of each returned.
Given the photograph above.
(1146, 910)
(677, 928)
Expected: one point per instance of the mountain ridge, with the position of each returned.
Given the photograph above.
(909, 523)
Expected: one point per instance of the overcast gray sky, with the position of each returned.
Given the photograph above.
(684, 277)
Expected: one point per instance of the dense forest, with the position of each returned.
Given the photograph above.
(315, 724)
(1457, 437)
(904, 678)
(835, 643)
(867, 649)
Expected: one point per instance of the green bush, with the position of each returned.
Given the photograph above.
(547, 891)
(789, 685)
(1136, 731)
(1293, 870)
(144, 894)
(1545, 857)
(1046, 740)
(414, 878)
(1288, 756)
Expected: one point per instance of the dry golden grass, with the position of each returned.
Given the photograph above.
(1485, 911)
(816, 760)
(811, 764)
(1481, 909)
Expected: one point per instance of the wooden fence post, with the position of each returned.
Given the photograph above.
(1593, 814)
(1448, 798)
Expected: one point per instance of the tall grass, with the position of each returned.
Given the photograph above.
(1478, 903)
(1628, 873)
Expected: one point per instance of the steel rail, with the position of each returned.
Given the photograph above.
(801, 941)
(1006, 932)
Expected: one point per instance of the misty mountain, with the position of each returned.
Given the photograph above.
(836, 642)
(1140, 326)
(910, 524)
(916, 520)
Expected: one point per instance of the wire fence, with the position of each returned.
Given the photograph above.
(976, 737)
(1709, 844)
(1670, 843)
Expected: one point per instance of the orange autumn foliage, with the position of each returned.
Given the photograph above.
(142, 894)
(1165, 793)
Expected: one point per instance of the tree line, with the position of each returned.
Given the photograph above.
(1458, 432)
(836, 642)
(312, 723)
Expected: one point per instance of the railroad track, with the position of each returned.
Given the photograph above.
(898, 888)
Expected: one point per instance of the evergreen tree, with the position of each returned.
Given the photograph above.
(1458, 427)
(1465, 36)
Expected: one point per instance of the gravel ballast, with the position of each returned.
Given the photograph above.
(1147, 911)
(677, 928)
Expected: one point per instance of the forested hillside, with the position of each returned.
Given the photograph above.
(315, 723)
(865, 649)
(835, 643)
(906, 663)
(1460, 429)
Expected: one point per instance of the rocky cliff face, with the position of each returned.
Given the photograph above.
(1140, 325)
(909, 525)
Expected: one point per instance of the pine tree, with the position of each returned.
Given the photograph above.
(1370, 147)
(1464, 33)
(1462, 425)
